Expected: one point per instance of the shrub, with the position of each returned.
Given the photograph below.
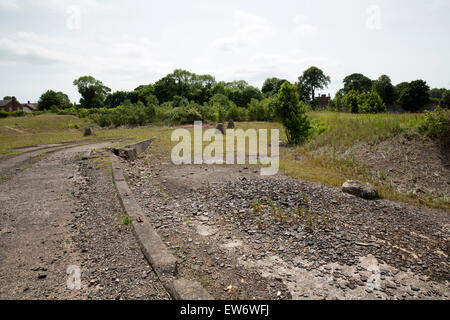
(436, 124)
(18, 113)
(3, 114)
(370, 102)
(292, 114)
(350, 101)
(233, 114)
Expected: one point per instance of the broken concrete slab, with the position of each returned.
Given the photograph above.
(132, 151)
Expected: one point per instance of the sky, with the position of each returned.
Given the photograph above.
(46, 44)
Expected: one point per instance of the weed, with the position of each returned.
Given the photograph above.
(126, 220)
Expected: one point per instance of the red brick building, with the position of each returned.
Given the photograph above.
(323, 100)
(10, 105)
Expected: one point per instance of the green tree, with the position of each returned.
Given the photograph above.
(350, 101)
(292, 114)
(271, 86)
(357, 82)
(7, 98)
(437, 93)
(93, 92)
(446, 98)
(383, 86)
(370, 102)
(414, 95)
(313, 79)
(53, 99)
(113, 100)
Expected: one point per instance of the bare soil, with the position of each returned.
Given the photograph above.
(411, 163)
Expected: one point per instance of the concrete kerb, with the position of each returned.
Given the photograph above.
(152, 246)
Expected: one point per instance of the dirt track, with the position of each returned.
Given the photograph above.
(62, 212)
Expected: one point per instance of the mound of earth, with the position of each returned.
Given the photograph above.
(412, 163)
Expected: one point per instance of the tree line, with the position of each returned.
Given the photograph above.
(181, 88)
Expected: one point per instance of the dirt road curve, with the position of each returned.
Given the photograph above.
(63, 212)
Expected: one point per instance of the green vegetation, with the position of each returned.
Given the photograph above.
(436, 124)
(53, 100)
(310, 81)
(126, 220)
(292, 114)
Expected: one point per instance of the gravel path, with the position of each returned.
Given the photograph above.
(284, 238)
(63, 212)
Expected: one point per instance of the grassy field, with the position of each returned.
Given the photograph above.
(315, 160)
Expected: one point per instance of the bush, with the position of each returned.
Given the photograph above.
(350, 101)
(3, 114)
(370, 102)
(18, 113)
(436, 124)
(292, 114)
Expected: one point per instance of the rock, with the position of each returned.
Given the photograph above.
(88, 132)
(220, 127)
(231, 124)
(360, 189)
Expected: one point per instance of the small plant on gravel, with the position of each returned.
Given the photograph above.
(3, 179)
(258, 209)
(126, 220)
(186, 220)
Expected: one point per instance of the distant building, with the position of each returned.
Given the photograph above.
(323, 100)
(10, 105)
(30, 107)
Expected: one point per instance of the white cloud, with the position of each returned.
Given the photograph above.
(126, 60)
(250, 30)
(303, 26)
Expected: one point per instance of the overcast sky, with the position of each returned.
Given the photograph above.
(46, 44)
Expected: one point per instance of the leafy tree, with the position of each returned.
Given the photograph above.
(437, 93)
(313, 79)
(53, 99)
(92, 91)
(113, 100)
(292, 114)
(220, 100)
(446, 98)
(271, 86)
(370, 102)
(198, 88)
(233, 114)
(242, 96)
(304, 93)
(350, 101)
(7, 98)
(357, 82)
(414, 96)
(383, 86)
(237, 84)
